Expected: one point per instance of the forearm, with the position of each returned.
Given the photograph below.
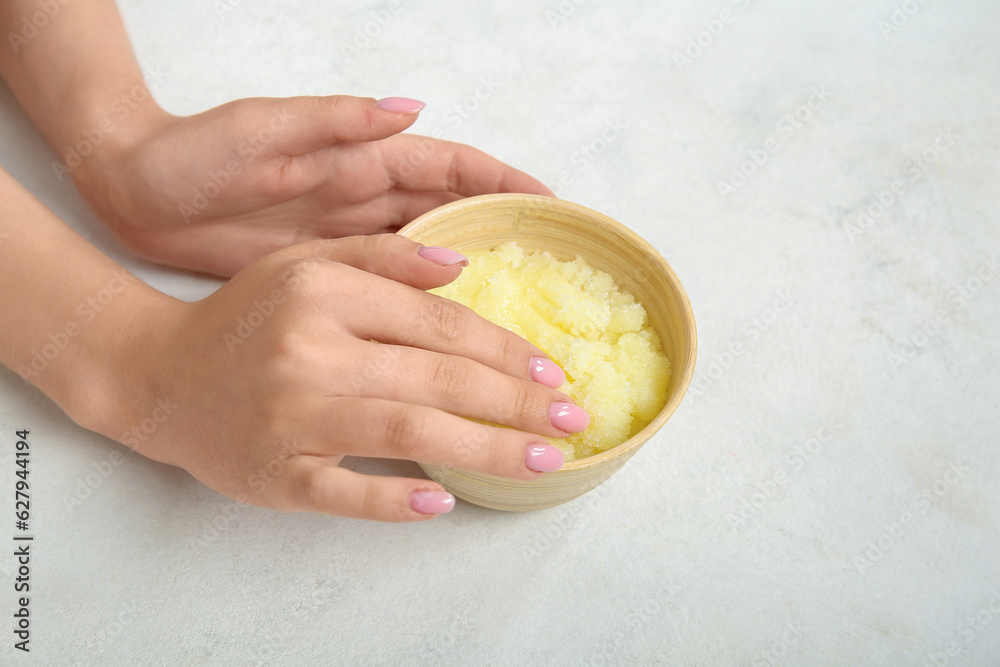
(76, 76)
(66, 310)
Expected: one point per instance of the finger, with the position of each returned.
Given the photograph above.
(388, 429)
(313, 123)
(422, 320)
(315, 486)
(423, 163)
(463, 387)
(416, 318)
(388, 255)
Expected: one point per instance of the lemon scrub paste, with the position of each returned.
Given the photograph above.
(615, 366)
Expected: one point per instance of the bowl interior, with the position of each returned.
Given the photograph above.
(568, 230)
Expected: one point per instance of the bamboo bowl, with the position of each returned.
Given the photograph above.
(566, 230)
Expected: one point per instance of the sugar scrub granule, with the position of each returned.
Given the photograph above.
(615, 367)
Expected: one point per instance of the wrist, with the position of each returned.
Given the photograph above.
(114, 375)
(103, 132)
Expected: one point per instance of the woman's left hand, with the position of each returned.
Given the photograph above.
(215, 191)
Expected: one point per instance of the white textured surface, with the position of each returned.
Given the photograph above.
(650, 568)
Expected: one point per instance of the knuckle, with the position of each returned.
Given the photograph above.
(527, 401)
(395, 512)
(496, 453)
(449, 379)
(243, 111)
(520, 409)
(302, 275)
(447, 319)
(373, 245)
(330, 104)
(285, 354)
(466, 450)
(454, 173)
(403, 431)
(510, 353)
(312, 492)
(370, 502)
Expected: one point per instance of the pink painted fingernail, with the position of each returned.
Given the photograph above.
(432, 502)
(443, 256)
(400, 105)
(568, 417)
(543, 458)
(547, 372)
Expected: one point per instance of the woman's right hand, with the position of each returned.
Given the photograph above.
(333, 348)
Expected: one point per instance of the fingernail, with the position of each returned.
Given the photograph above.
(543, 458)
(443, 256)
(400, 105)
(432, 502)
(568, 417)
(547, 372)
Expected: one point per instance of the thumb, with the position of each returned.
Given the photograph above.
(390, 256)
(318, 122)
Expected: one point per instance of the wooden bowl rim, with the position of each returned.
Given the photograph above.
(524, 200)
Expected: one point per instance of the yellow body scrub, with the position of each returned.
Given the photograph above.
(614, 364)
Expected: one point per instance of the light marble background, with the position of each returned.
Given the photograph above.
(657, 566)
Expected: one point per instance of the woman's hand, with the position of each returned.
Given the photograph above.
(328, 349)
(218, 190)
